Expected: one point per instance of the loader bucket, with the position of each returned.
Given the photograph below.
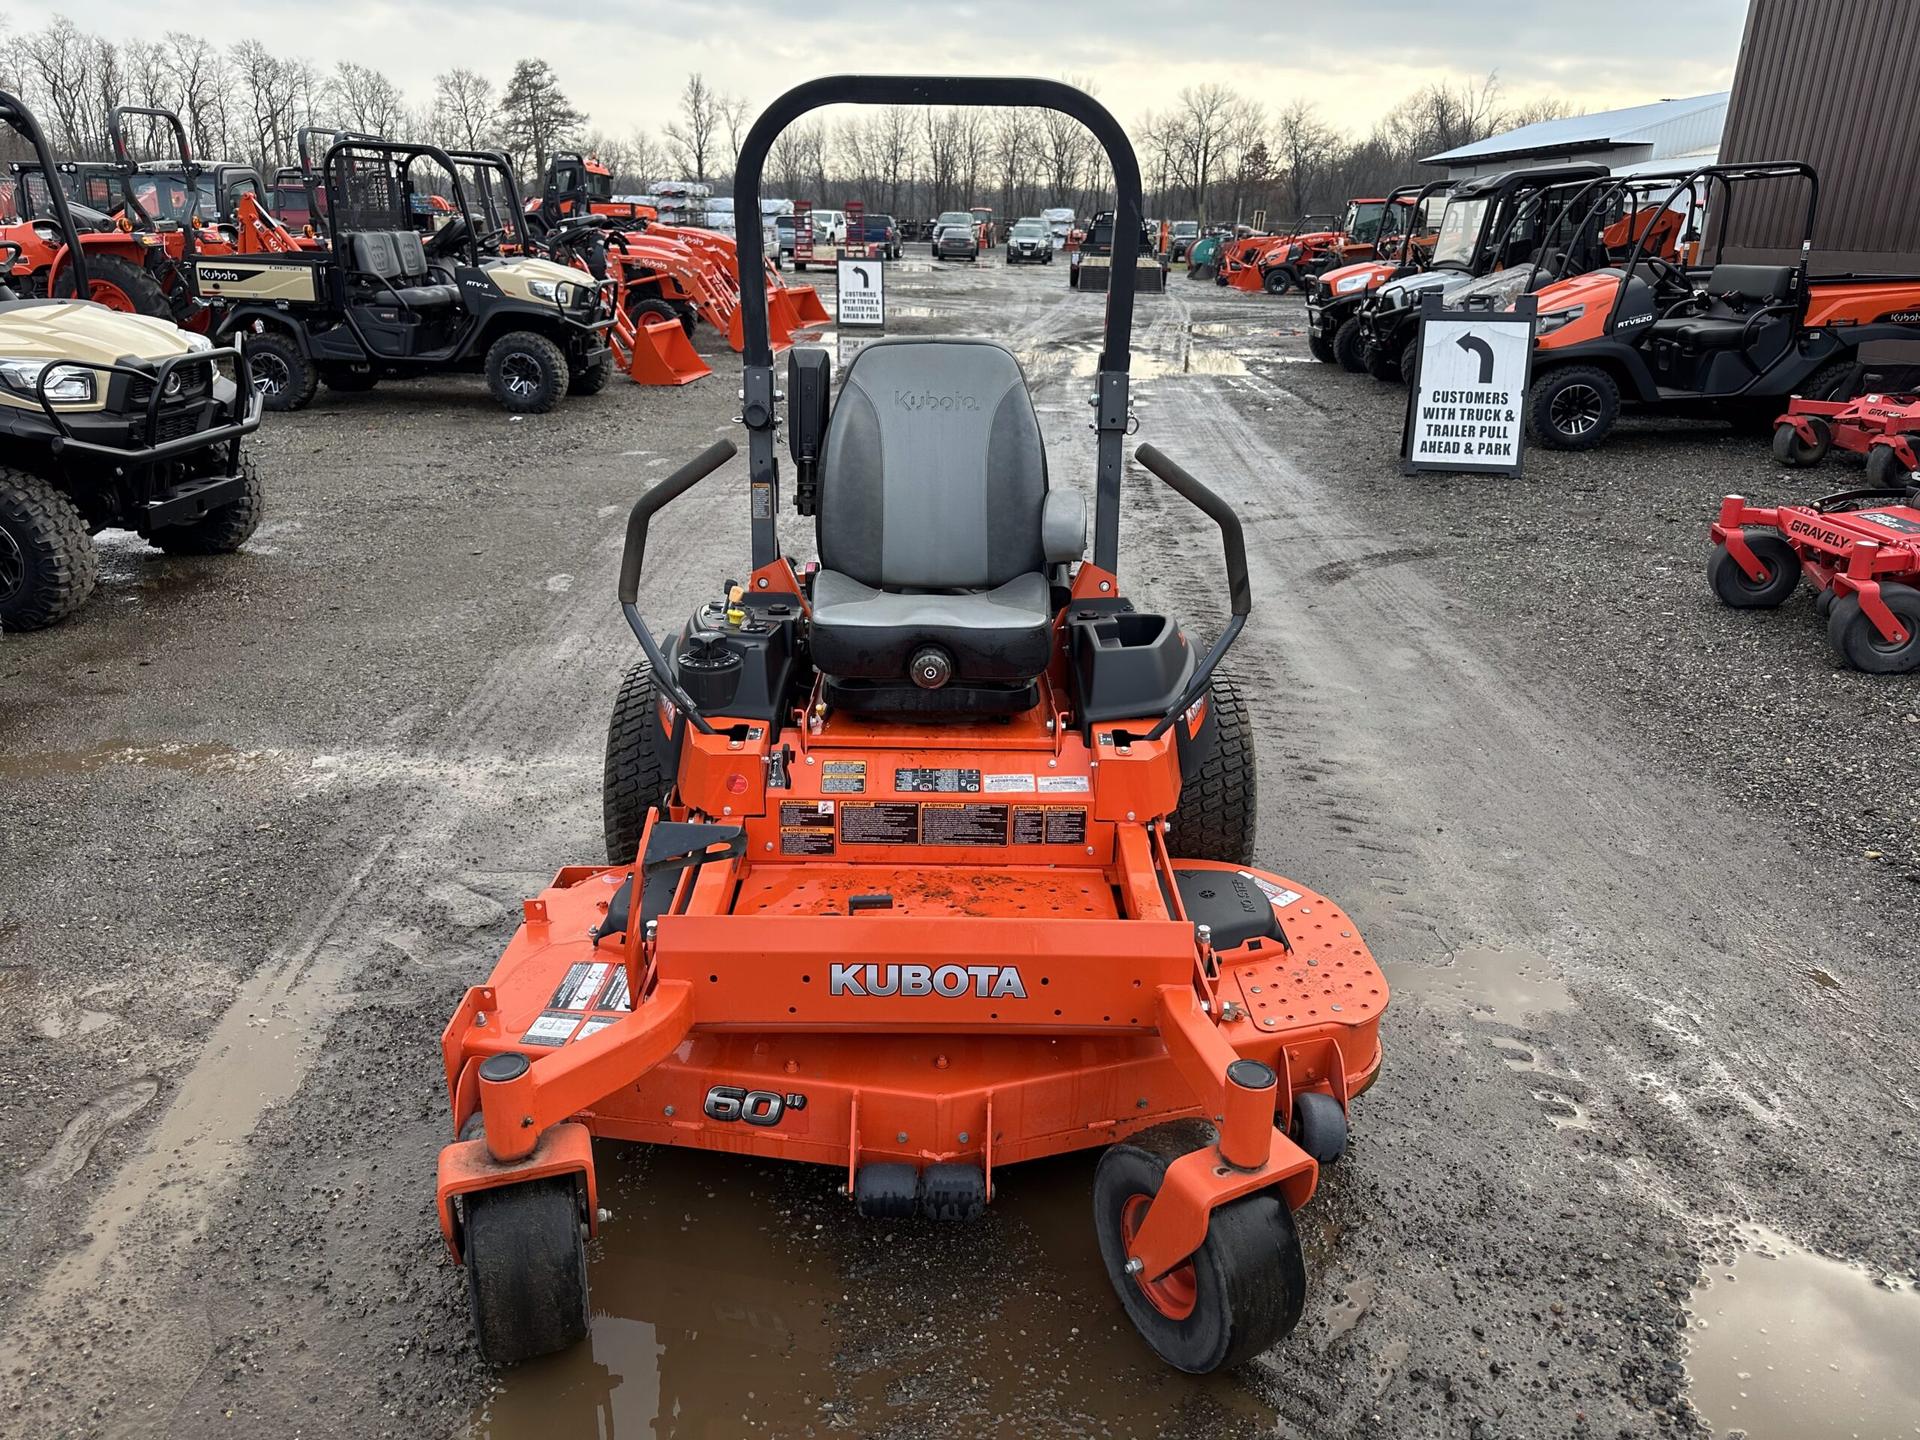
(779, 325)
(656, 352)
(1246, 278)
(807, 307)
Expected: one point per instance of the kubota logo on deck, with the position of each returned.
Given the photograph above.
(989, 982)
(927, 400)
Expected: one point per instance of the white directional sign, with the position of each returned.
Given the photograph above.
(863, 293)
(1467, 398)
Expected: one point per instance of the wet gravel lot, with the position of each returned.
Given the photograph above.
(1643, 871)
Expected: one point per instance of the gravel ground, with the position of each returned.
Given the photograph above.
(265, 817)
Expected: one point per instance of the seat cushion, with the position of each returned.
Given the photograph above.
(1700, 332)
(418, 297)
(1001, 634)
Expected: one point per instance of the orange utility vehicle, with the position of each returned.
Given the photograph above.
(891, 883)
(1731, 342)
(1334, 297)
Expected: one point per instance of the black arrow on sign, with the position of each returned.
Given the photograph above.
(1474, 345)
(866, 283)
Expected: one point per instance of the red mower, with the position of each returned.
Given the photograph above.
(891, 882)
(1861, 550)
(1884, 428)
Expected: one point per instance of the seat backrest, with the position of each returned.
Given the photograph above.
(1756, 284)
(411, 253)
(933, 474)
(394, 255)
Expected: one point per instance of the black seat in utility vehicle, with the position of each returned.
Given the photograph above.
(1734, 293)
(398, 261)
(936, 525)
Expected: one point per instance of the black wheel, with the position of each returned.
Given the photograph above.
(1835, 380)
(643, 311)
(1238, 1295)
(1278, 280)
(1320, 346)
(349, 379)
(636, 777)
(1885, 469)
(1383, 359)
(1823, 604)
(953, 1192)
(1409, 359)
(590, 379)
(220, 531)
(1740, 590)
(1790, 450)
(119, 285)
(526, 1269)
(527, 373)
(282, 374)
(1349, 345)
(1320, 1126)
(1573, 407)
(1219, 802)
(1855, 639)
(887, 1191)
(48, 566)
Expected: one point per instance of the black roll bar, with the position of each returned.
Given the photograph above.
(189, 168)
(1111, 418)
(18, 118)
(408, 152)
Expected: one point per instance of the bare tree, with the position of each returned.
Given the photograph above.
(736, 116)
(1303, 147)
(465, 112)
(200, 80)
(692, 135)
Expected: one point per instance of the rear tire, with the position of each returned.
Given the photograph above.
(282, 374)
(1219, 803)
(635, 778)
(591, 379)
(526, 1269)
(1854, 638)
(1573, 407)
(119, 285)
(1278, 280)
(48, 566)
(1796, 454)
(221, 531)
(1235, 1297)
(1835, 380)
(526, 373)
(1349, 345)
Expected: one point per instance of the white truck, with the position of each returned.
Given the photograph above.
(1059, 223)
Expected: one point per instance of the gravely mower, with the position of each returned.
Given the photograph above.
(1884, 429)
(109, 421)
(1334, 297)
(1731, 342)
(891, 884)
(1861, 550)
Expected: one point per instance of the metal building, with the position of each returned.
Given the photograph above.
(1670, 131)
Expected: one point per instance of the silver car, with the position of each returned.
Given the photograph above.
(955, 236)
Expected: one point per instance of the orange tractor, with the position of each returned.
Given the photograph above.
(926, 862)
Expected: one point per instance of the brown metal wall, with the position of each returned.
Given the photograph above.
(1832, 82)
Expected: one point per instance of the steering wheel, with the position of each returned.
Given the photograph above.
(448, 238)
(489, 243)
(1666, 272)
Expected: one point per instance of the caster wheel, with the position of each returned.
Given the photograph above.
(1885, 469)
(953, 1192)
(526, 1269)
(1236, 1296)
(1320, 1126)
(1855, 639)
(887, 1191)
(1823, 604)
(1790, 450)
(1740, 590)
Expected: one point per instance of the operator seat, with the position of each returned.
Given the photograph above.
(398, 261)
(936, 531)
(1734, 292)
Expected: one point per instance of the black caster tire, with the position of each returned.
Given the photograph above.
(1796, 454)
(526, 373)
(953, 1192)
(526, 1270)
(887, 1191)
(1734, 587)
(1885, 471)
(1854, 638)
(283, 375)
(1320, 1126)
(1823, 604)
(1573, 407)
(1235, 1297)
(638, 772)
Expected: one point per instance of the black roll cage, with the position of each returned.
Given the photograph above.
(401, 155)
(190, 169)
(18, 118)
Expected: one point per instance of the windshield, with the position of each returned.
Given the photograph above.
(1184, 228)
(1363, 220)
(1459, 233)
(165, 197)
(783, 222)
(599, 185)
(956, 217)
(1030, 230)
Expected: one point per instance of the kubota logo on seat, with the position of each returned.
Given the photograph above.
(989, 982)
(927, 400)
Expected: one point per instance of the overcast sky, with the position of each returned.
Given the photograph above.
(623, 60)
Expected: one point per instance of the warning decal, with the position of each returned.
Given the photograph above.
(616, 997)
(582, 983)
(1050, 825)
(551, 1029)
(873, 822)
(963, 824)
(1001, 784)
(937, 782)
(1063, 784)
(806, 827)
(843, 777)
(1281, 898)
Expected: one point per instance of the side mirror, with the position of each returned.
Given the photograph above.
(809, 399)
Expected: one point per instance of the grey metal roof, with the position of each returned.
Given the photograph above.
(1636, 125)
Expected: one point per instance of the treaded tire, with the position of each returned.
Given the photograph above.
(640, 311)
(1320, 347)
(345, 380)
(48, 566)
(1349, 353)
(1278, 280)
(1736, 588)
(1853, 638)
(1382, 365)
(1249, 1278)
(1569, 431)
(141, 290)
(1219, 803)
(526, 1270)
(635, 778)
(1409, 360)
(221, 531)
(591, 379)
(284, 376)
(1793, 452)
(536, 363)
(1835, 380)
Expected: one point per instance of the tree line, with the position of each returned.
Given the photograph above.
(1213, 154)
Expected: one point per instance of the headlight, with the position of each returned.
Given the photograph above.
(196, 342)
(1349, 283)
(1554, 319)
(557, 291)
(67, 384)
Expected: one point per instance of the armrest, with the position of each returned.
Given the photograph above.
(1063, 526)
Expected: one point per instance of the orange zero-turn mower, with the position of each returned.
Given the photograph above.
(925, 862)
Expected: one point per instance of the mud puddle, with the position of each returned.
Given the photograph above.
(1785, 1344)
(736, 1297)
(1194, 361)
(202, 758)
(1507, 985)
